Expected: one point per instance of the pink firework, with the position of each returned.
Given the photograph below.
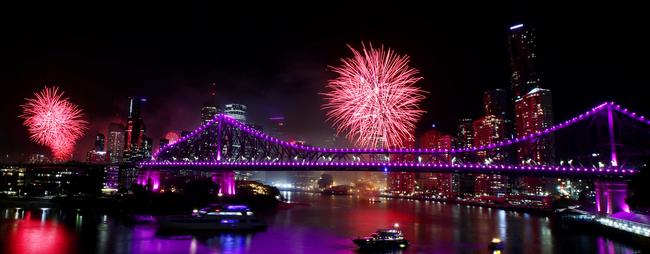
(54, 121)
(374, 100)
(172, 136)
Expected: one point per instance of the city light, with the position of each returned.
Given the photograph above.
(516, 26)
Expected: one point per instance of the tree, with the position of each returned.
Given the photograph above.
(639, 192)
(326, 180)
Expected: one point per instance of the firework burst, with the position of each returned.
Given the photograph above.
(374, 100)
(54, 121)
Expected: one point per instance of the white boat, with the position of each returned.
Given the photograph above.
(214, 217)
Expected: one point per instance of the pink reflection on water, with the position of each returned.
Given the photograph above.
(28, 236)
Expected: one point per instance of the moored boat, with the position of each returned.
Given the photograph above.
(214, 217)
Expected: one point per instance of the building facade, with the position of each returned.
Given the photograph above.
(134, 133)
(236, 111)
(115, 145)
(522, 47)
(534, 113)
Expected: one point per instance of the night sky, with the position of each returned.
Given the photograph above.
(275, 59)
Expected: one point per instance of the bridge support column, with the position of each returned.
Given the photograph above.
(610, 196)
(226, 181)
(149, 179)
(612, 142)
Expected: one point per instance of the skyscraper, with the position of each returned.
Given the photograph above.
(97, 153)
(115, 146)
(437, 183)
(489, 130)
(490, 184)
(99, 142)
(210, 108)
(534, 112)
(464, 135)
(135, 129)
(495, 102)
(401, 182)
(236, 111)
(278, 127)
(532, 104)
(523, 60)
(465, 139)
(147, 147)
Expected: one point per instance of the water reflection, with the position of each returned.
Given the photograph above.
(35, 235)
(327, 226)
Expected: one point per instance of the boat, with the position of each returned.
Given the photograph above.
(496, 244)
(214, 217)
(383, 239)
(372, 200)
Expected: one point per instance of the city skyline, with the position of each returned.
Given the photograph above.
(302, 92)
(484, 128)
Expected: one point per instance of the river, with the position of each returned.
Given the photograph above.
(327, 225)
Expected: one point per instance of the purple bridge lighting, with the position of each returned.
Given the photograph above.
(226, 144)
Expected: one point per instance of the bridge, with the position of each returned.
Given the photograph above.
(226, 144)
(607, 142)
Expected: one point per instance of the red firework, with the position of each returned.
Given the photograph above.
(54, 121)
(374, 100)
(172, 136)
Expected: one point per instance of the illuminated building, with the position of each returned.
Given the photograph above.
(135, 129)
(97, 154)
(490, 184)
(523, 60)
(111, 178)
(38, 158)
(489, 129)
(115, 146)
(465, 135)
(436, 183)
(401, 182)
(236, 111)
(147, 147)
(495, 102)
(12, 180)
(534, 113)
(278, 127)
(211, 108)
(99, 142)
(50, 181)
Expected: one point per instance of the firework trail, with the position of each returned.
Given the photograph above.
(54, 121)
(374, 100)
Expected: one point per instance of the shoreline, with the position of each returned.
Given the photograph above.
(540, 211)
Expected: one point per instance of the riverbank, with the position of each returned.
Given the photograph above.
(537, 210)
(148, 203)
(624, 230)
